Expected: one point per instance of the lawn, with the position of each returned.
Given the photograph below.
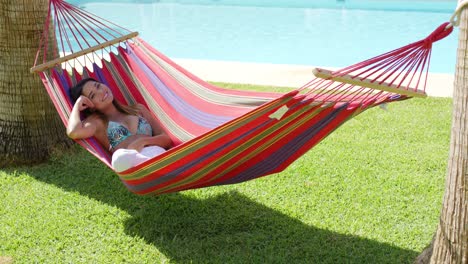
(371, 192)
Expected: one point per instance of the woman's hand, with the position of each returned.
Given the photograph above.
(83, 103)
(139, 142)
(160, 138)
(76, 128)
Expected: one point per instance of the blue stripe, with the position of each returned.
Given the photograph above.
(194, 114)
(272, 162)
(182, 169)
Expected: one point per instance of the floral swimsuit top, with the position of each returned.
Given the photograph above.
(116, 132)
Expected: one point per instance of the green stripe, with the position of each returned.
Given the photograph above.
(129, 98)
(207, 139)
(156, 109)
(200, 90)
(239, 150)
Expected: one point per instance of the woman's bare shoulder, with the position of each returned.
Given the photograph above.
(96, 121)
(101, 128)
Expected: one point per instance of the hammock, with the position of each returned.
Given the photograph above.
(221, 136)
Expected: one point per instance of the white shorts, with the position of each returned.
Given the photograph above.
(123, 159)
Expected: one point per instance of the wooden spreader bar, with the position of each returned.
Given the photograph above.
(53, 63)
(368, 83)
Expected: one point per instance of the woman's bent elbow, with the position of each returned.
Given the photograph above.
(72, 134)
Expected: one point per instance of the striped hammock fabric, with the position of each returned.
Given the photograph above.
(221, 136)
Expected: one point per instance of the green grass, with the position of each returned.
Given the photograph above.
(369, 193)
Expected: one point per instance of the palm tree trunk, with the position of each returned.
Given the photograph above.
(450, 244)
(29, 124)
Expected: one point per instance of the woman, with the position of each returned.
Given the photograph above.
(130, 133)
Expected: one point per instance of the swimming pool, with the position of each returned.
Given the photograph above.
(333, 33)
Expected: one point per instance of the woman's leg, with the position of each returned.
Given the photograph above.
(124, 159)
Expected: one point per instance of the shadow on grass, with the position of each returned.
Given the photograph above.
(222, 229)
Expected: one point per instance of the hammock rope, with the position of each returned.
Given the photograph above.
(455, 18)
(401, 70)
(221, 136)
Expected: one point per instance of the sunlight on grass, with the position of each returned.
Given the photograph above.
(369, 193)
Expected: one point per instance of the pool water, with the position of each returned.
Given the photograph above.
(320, 33)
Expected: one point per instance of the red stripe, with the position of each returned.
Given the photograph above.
(186, 94)
(267, 95)
(324, 132)
(207, 177)
(178, 118)
(204, 151)
(207, 180)
(278, 145)
(123, 74)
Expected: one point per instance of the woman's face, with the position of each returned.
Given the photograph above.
(98, 93)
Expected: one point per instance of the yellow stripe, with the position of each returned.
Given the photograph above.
(206, 139)
(235, 152)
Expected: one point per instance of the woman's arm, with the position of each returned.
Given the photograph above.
(77, 129)
(163, 141)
